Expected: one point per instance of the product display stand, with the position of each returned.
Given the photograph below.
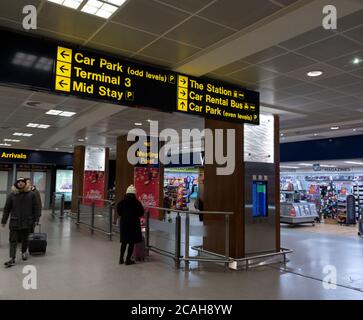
(295, 212)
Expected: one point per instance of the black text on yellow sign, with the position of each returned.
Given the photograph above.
(63, 69)
(182, 93)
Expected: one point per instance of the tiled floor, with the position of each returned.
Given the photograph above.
(80, 266)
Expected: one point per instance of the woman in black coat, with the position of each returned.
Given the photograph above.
(130, 210)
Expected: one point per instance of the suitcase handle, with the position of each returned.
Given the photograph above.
(40, 227)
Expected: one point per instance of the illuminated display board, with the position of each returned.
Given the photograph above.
(47, 65)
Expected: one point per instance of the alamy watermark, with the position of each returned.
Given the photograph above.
(30, 281)
(30, 19)
(330, 280)
(215, 143)
(330, 19)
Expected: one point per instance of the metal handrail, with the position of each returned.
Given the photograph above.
(92, 226)
(176, 256)
(190, 211)
(61, 206)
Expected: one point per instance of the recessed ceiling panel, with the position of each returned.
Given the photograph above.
(239, 14)
(169, 50)
(188, 5)
(149, 16)
(68, 21)
(330, 48)
(253, 74)
(287, 62)
(266, 54)
(199, 32)
(122, 37)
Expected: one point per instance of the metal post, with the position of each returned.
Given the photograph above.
(177, 241)
(93, 217)
(62, 207)
(187, 241)
(147, 232)
(79, 212)
(226, 245)
(53, 204)
(110, 222)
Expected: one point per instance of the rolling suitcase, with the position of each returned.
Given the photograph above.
(139, 251)
(38, 242)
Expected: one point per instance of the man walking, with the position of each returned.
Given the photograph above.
(29, 184)
(22, 208)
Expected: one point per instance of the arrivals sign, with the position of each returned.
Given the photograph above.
(9, 155)
(88, 74)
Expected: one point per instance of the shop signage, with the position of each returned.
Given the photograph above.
(149, 153)
(65, 69)
(8, 155)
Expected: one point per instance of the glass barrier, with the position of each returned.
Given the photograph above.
(96, 214)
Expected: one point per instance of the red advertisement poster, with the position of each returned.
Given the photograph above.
(147, 188)
(94, 187)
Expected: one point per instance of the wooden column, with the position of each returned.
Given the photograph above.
(277, 180)
(78, 175)
(124, 170)
(225, 193)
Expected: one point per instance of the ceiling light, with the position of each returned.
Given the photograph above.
(32, 125)
(315, 73)
(354, 162)
(282, 134)
(306, 164)
(37, 125)
(354, 129)
(54, 112)
(138, 124)
(74, 4)
(288, 167)
(67, 114)
(81, 140)
(57, 149)
(22, 134)
(334, 128)
(5, 144)
(56, 1)
(101, 8)
(357, 61)
(315, 134)
(86, 138)
(103, 13)
(116, 2)
(24, 59)
(11, 140)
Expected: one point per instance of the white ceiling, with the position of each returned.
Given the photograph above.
(265, 45)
